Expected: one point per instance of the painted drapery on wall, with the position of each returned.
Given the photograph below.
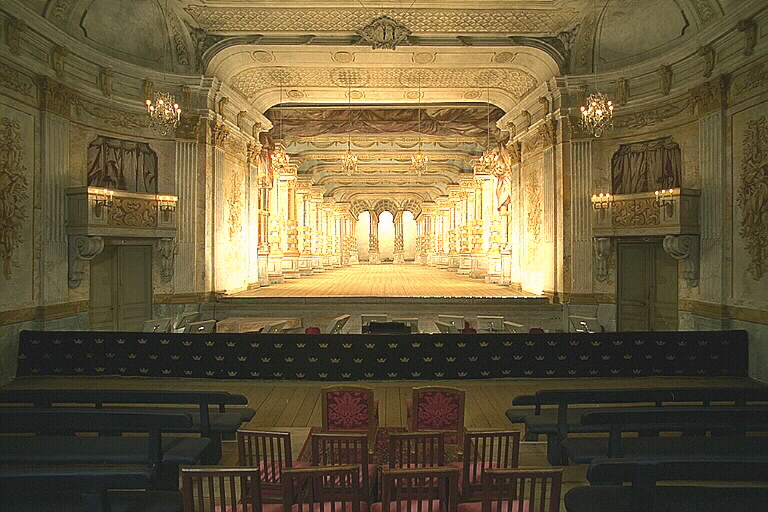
(122, 165)
(646, 166)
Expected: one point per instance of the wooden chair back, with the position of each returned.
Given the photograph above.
(208, 488)
(343, 449)
(411, 450)
(349, 409)
(439, 409)
(323, 488)
(484, 451)
(522, 490)
(271, 453)
(423, 490)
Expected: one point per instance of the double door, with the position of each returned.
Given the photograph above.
(121, 288)
(647, 287)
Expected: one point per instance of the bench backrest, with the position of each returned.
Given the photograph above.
(603, 471)
(702, 418)
(639, 395)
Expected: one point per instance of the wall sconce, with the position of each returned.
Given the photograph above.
(103, 200)
(601, 201)
(665, 200)
(167, 204)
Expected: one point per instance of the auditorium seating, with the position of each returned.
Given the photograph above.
(416, 450)
(345, 449)
(418, 490)
(484, 451)
(608, 495)
(518, 490)
(216, 415)
(38, 445)
(437, 409)
(323, 489)
(223, 489)
(270, 452)
(727, 426)
(550, 413)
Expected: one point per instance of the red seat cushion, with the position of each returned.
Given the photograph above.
(477, 506)
(265, 507)
(330, 507)
(411, 506)
(475, 474)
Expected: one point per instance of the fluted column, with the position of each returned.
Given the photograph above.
(330, 234)
(275, 232)
(354, 257)
(305, 229)
(399, 252)
(373, 240)
(479, 256)
(466, 222)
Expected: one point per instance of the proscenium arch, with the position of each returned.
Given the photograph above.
(386, 205)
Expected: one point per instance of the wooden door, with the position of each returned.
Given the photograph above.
(102, 302)
(134, 287)
(121, 288)
(647, 288)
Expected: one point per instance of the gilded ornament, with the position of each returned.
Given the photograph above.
(14, 192)
(752, 195)
(384, 33)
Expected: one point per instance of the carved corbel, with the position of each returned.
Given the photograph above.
(186, 98)
(749, 27)
(240, 118)
(149, 89)
(58, 60)
(622, 91)
(82, 249)
(665, 79)
(167, 249)
(708, 53)
(13, 30)
(219, 134)
(602, 258)
(222, 105)
(685, 249)
(544, 102)
(256, 130)
(527, 119)
(105, 81)
(252, 151)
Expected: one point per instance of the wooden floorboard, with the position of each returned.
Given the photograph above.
(408, 280)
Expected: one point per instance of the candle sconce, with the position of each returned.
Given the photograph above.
(167, 204)
(601, 201)
(103, 199)
(665, 200)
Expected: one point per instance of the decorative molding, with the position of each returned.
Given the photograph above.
(110, 116)
(514, 150)
(189, 127)
(59, 56)
(651, 117)
(15, 81)
(750, 196)
(55, 97)
(60, 10)
(710, 96)
(708, 53)
(14, 192)
(167, 249)
(149, 88)
(235, 204)
(252, 151)
(312, 20)
(179, 43)
(544, 137)
(749, 27)
(14, 27)
(705, 10)
(106, 76)
(755, 78)
(665, 79)
(186, 98)
(544, 102)
(252, 82)
(527, 119)
(82, 249)
(685, 249)
(603, 249)
(219, 134)
(384, 33)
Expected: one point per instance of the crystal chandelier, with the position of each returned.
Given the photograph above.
(419, 160)
(349, 159)
(280, 158)
(163, 111)
(597, 114)
(489, 161)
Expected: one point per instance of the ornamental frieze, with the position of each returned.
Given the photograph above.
(15, 81)
(651, 117)
(754, 80)
(710, 96)
(133, 213)
(14, 192)
(640, 212)
(752, 195)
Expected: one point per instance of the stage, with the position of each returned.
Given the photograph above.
(401, 291)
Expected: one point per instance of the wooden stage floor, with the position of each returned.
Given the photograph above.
(294, 406)
(385, 280)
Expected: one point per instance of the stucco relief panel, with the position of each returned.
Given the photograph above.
(17, 164)
(750, 170)
(532, 176)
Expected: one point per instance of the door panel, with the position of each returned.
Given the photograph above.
(665, 308)
(634, 277)
(134, 291)
(101, 305)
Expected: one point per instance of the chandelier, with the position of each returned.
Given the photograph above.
(419, 160)
(489, 161)
(163, 111)
(280, 158)
(349, 159)
(597, 114)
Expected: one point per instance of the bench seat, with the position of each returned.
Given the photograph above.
(608, 498)
(583, 450)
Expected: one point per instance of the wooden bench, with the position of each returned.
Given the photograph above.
(728, 426)
(162, 454)
(213, 417)
(549, 412)
(645, 496)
